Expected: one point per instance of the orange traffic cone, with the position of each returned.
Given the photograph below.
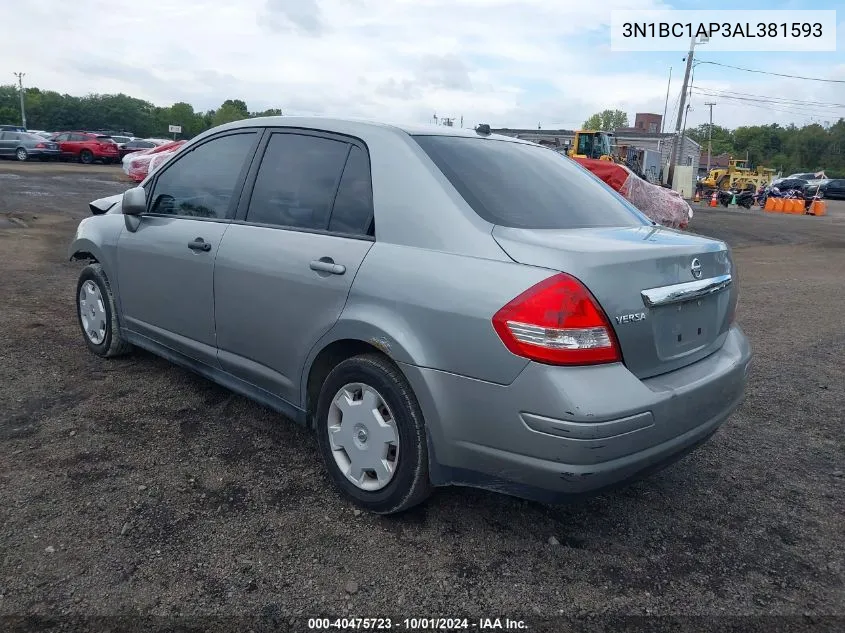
(714, 200)
(697, 197)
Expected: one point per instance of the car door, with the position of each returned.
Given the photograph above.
(286, 264)
(166, 265)
(7, 143)
(63, 141)
(836, 189)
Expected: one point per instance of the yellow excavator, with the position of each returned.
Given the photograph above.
(592, 144)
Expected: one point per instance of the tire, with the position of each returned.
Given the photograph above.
(86, 157)
(21, 154)
(409, 484)
(100, 301)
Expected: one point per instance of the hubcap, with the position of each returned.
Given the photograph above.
(21, 154)
(363, 436)
(92, 312)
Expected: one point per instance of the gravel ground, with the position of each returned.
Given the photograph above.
(131, 486)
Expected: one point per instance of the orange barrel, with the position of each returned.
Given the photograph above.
(778, 205)
(818, 207)
(770, 204)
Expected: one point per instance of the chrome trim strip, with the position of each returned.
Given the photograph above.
(678, 293)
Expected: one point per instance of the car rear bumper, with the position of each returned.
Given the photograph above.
(556, 432)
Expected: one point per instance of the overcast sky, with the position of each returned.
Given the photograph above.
(516, 63)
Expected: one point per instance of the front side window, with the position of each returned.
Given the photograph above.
(297, 181)
(62, 137)
(202, 183)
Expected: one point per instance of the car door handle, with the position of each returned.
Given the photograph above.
(327, 265)
(199, 245)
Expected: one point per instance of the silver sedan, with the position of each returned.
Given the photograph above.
(441, 306)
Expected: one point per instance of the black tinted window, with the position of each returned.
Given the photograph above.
(353, 206)
(201, 183)
(526, 186)
(297, 181)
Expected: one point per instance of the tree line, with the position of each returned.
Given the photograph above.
(788, 149)
(52, 111)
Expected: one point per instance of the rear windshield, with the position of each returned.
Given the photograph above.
(525, 186)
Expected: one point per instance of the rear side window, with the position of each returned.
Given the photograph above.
(297, 181)
(105, 139)
(201, 183)
(525, 186)
(353, 207)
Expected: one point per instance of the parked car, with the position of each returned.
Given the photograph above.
(809, 175)
(12, 128)
(785, 184)
(47, 135)
(23, 146)
(442, 306)
(87, 147)
(832, 188)
(139, 165)
(135, 145)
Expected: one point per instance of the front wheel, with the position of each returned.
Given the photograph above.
(95, 309)
(372, 437)
(21, 154)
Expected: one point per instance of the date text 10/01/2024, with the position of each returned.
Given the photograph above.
(416, 624)
(722, 29)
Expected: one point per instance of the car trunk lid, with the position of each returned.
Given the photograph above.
(669, 295)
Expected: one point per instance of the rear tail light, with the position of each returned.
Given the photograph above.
(40, 146)
(558, 322)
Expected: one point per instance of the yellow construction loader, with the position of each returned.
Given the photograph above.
(593, 144)
(738, 176)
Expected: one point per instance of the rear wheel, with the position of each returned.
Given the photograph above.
(86, 157)
(21, 154)
(371, 434)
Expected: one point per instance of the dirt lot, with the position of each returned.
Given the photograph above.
(133, 486)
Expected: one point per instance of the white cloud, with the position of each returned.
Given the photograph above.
(506, 62)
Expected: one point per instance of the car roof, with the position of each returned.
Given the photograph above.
(362, 125)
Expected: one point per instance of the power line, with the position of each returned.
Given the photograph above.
(798, 108)
(782, 108)
(765, 72)
(767, 98)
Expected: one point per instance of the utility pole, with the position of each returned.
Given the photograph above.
(710, 135)
(681, 111)
(20, 77)
(666, 105)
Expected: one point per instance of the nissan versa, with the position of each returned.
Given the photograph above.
(442, 306)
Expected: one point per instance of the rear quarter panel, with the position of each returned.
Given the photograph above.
(435, 310)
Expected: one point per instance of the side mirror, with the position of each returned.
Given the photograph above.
(134, 201)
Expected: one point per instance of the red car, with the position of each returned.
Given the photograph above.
(87, 147)
(138, 164)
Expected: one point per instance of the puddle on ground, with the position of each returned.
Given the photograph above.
(9, 176)
(35, 193)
